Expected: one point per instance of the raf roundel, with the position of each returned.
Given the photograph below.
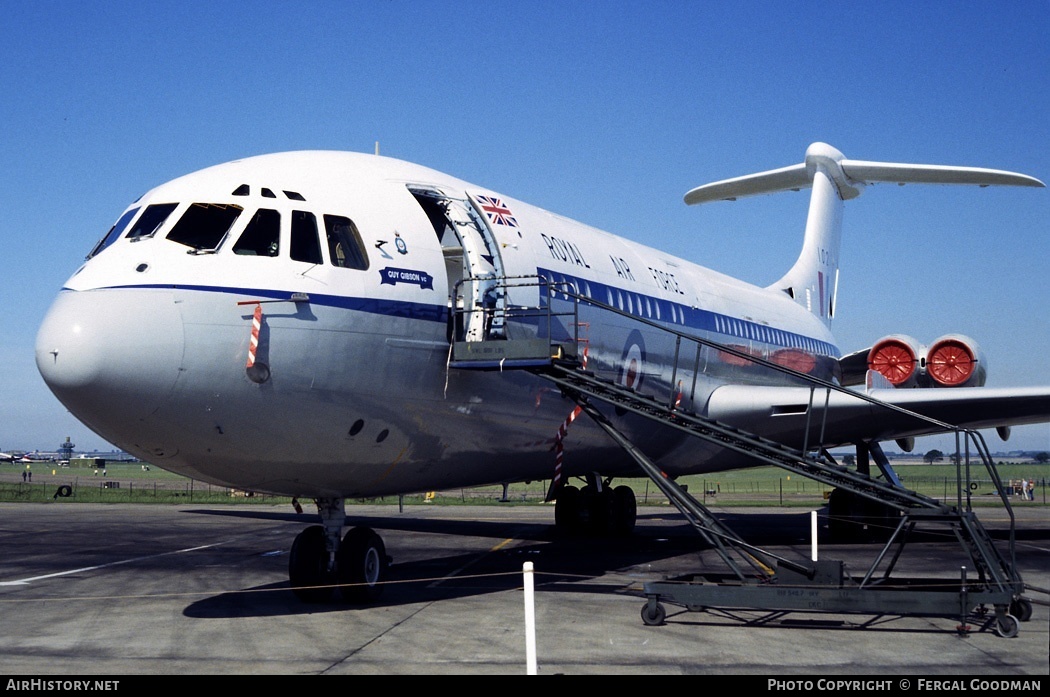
(632, 362)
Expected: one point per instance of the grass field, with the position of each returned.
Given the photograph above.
(136, 482)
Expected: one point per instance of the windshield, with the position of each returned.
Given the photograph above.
(114, 232)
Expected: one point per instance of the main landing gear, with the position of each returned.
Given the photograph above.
(320, 562)
(854, 518)
(596, 509)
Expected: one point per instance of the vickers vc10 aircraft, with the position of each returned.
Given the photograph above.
(334, 325)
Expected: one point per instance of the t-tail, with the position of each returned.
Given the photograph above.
(813, 280)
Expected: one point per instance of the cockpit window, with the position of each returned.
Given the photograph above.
(305, 245)
(114, 232)
(204, 225)
(150, 221)
(262, 235)
(344, 243)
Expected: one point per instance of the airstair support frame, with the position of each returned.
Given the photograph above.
(714, 532)
(915, 506)
(560, 365)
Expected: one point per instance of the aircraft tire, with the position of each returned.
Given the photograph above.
(623, 511)
(845, 524)
(841, 531)
(362, 565)
(594, 511)
(567, 509)
(308, 566)
(855, 519)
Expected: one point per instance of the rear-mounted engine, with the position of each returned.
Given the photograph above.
(952, 360)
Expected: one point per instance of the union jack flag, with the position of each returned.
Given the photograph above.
(496, 211)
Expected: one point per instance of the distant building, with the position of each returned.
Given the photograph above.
(92, 462)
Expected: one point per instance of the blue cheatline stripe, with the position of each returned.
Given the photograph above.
(661, 310)
(377, 306)
(637, 303)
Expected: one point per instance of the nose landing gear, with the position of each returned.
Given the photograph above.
(320, 563)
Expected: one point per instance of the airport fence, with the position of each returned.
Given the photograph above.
(111, 491)
(734, 489)
(783, 491)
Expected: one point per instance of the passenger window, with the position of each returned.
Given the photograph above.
(344, 243)
(114, 232)
(262, 235)
(150, 221)
(204, 225)
(305, 245)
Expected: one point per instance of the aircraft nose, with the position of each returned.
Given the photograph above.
(111, 355)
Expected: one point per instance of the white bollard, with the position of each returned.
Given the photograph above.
(530, 621)
(813, 534)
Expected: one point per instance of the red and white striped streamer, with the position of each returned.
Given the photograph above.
(563, 430)
(559, 448)
(253, 346)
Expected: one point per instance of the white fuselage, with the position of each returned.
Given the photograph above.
(147, 343)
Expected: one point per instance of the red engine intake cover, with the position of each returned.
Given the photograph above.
(950, 362)
(896, 358)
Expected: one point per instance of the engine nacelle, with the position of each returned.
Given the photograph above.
(898, 358)
(953, 360)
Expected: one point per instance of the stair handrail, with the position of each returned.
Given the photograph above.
(550, 290)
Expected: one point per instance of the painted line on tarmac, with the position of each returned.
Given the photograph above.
(27, 581)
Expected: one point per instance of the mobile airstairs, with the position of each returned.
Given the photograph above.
(755, 578)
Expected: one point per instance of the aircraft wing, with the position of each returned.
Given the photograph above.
(782, 413)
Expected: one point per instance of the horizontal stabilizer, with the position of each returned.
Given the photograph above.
(833, 179)
(872, 172)
(793, 178)
(850, 176)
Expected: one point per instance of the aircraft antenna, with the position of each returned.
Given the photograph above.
(377, 147)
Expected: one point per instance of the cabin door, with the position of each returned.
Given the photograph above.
(472, 265)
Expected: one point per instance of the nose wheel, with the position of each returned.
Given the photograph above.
(320, 563)
(361, 565)
(308, 566)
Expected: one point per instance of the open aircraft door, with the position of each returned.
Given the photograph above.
(472, 265)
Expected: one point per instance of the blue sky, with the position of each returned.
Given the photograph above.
(607, 112)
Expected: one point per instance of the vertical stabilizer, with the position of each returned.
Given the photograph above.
(813, 280)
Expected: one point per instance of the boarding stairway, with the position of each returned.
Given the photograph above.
(584, 388)
(560, 363)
